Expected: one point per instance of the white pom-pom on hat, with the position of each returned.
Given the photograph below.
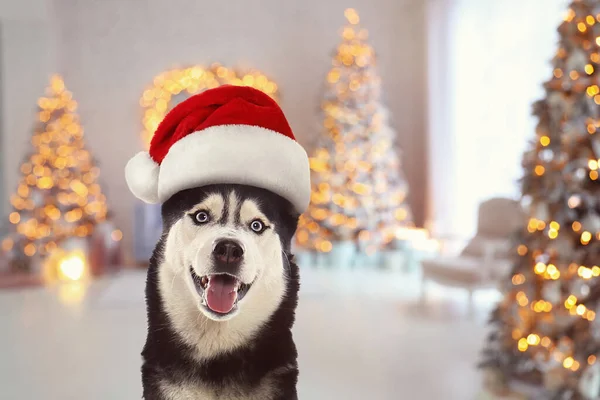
(141, 174)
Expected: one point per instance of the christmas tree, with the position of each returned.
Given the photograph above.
(545, 336)
(57, 197)
(358, 193)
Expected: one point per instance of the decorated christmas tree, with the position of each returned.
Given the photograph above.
(58, 197)
(359, 193)
(545, 337)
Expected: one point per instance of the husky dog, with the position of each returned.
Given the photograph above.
(221, 294)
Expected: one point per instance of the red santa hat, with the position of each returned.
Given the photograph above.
(230, 134)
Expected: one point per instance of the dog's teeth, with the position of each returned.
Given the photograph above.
(204, 282)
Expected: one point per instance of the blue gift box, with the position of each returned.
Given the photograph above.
(304, 258)
(147, 230)
(394, 259)
(368, 260)
(342, 254)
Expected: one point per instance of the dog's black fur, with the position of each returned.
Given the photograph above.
(165, 356)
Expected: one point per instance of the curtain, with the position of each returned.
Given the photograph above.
(487, 62)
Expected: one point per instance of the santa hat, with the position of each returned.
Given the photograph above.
(226, 135)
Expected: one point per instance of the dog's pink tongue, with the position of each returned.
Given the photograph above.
(221, 293)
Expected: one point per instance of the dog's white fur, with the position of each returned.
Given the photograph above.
(188, 244)
(265, 390)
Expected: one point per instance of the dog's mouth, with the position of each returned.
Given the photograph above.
(220, 293)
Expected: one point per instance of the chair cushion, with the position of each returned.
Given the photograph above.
(481, 246)
(467, 270)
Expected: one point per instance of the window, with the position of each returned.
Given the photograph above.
(488, 60)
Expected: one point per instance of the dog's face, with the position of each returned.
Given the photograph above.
(228, 245)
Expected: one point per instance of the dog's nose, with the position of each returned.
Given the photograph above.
(228, 252)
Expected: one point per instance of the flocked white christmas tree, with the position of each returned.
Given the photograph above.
(358, 190)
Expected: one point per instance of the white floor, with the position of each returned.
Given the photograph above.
(360, 334)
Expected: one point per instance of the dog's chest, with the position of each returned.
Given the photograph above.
(189, 391)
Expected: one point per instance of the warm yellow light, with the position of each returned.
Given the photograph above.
(72, 267)
(14, 217)
(544, 140)
(539, 170)
(593, 175)
(576, 226)
(552, 233)
(533, 340)
(29, 249)
(593, 164)
(551, 270)
(591, 359)
(570, 14)
(582, 27)
(401, 214)
(522, 250)
(589, 69)
(574, 75)
(586, 237)
(568, 362)
(45, 182)
(590, 315)
(546, 341)
(558, 73)
(585, 273)
(518, 279)
(541, 225)
(352, 16)
(580, 310)
(590, 20)
(540, 268)
(570, 302)
(522, 344)
(522, 299)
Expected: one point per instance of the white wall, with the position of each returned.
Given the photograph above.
(25, 68)
(110, 50)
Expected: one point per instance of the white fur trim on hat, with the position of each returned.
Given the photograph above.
(237, 154)
(141, 174)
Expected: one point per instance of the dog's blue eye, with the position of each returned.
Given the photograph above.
(257, 226)
(201, 217)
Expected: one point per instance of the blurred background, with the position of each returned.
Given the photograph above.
(450, 140)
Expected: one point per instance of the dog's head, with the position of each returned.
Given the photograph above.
(229, 244)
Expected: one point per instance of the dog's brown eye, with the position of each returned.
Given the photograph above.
(201, 217)
(257, 226)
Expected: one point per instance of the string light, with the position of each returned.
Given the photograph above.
(156, 99)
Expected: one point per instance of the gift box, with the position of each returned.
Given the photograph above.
(147, 230)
